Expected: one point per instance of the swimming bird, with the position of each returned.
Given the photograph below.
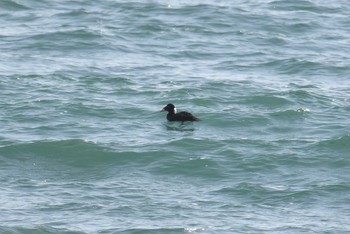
(181, 116)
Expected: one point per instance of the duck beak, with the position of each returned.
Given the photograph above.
(162, 110)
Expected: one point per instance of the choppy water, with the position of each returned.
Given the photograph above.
(84, 148)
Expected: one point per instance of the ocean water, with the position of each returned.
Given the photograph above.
(84, 147)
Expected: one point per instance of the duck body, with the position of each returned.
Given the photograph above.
(180, 117)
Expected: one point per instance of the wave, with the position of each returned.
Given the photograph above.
(83, 158)
(290, 114)
(279, 193)
(66, 35)
(49, 230)
(268, 100)
(36, 230)
(73, 152)
(156, 230)
(291, 66)
(12, 5)
(198, 167)
(338, 144)
(301, 5)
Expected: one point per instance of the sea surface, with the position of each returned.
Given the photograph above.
(84, 147)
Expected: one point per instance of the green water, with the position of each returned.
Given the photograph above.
(84, 147)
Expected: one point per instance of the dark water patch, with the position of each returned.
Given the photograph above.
(90, 110)
(64, 41)
(76, 153)
(13, 5)
(310, 98)
(293, 66)
(301, 27)
(298, 114)
(80, 14)
(270, 101)
(151, 28)
(250, 121)
(42, 229)
(260, 194)
(77, 160)
(56, 150)
(281, 195)
(242, 64)
(300, 5)
(297, 86)
(277, 41)
(137, 7)
(179, 128)
(251, 149)
(341, 188)
(202, 168)
(193, 145)
(82, 35)
(151, 231)
(338, 144)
